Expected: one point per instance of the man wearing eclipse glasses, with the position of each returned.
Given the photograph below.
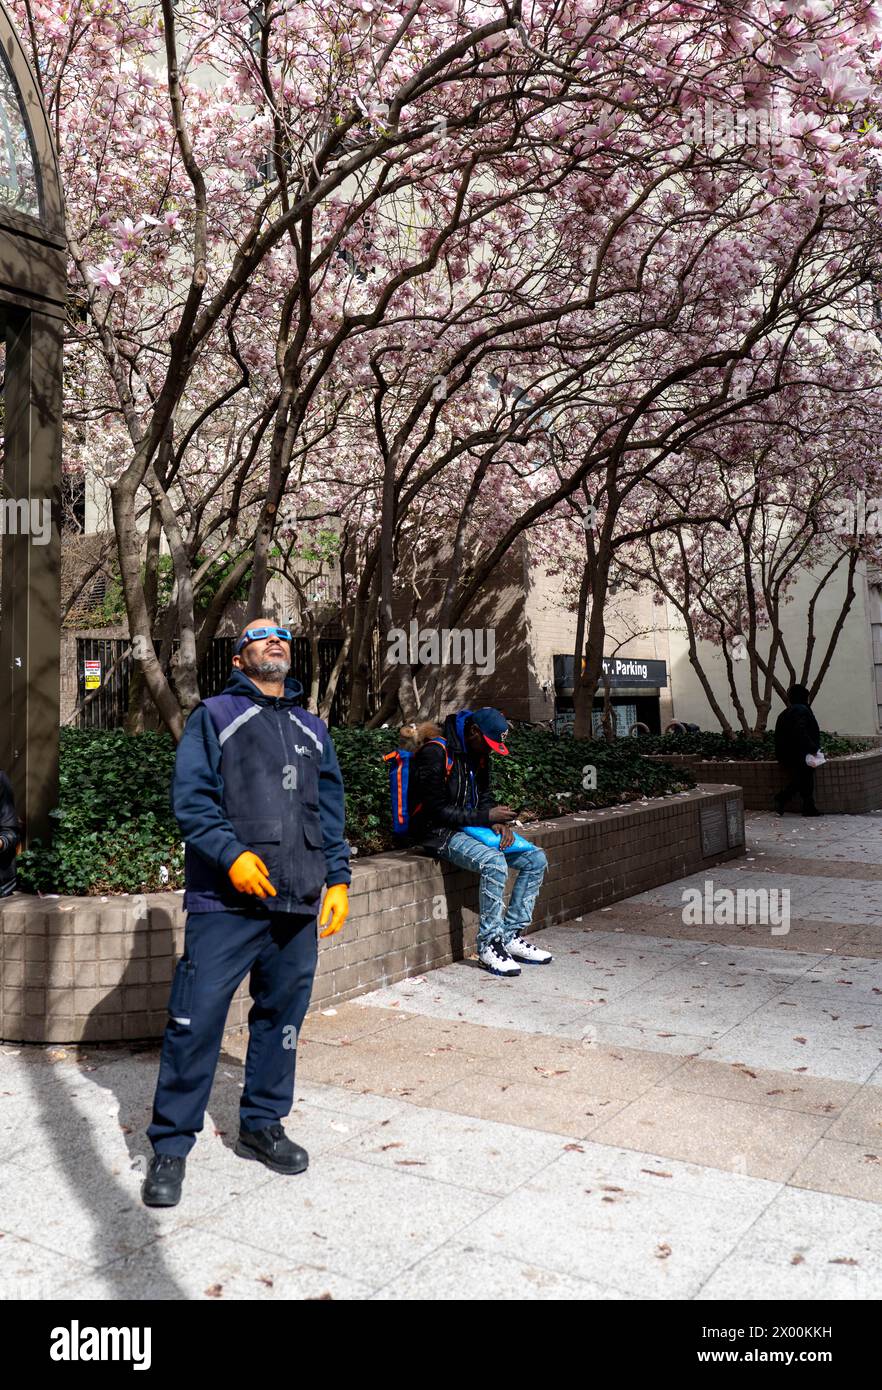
(258, 795)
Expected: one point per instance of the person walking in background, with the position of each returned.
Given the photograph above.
(258, 795)
(10, 837)
(797, 735)
(451, 790)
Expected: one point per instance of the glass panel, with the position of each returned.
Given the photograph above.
(18, 175)
(623, 717)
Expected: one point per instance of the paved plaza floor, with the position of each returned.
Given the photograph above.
(666, 1111)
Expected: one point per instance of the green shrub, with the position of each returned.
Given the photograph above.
(114, 828)
(366, 779)
(544, 775)
(741, 747)
(115, 831)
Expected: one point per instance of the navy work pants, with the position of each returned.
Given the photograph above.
(220, 948)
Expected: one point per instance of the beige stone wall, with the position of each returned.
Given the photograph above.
(846, 701)
(635, 627)
(849, 786)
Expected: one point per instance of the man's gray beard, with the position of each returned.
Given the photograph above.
(270, 669)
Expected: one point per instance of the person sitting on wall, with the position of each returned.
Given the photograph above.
(796, 735)
(10, 837)
(452, 790)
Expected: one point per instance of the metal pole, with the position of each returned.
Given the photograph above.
(31, 550)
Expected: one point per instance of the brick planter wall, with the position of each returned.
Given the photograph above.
(849, 786)
(98, 969)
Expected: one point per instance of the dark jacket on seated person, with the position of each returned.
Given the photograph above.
(440, 804)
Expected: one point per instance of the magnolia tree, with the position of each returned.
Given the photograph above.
(451, 445)
(702, 265)
(280, 216)
(247, 191)
(783, 496)
(714, 256)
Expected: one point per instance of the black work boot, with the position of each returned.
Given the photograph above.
(272, 1147)
(162, 1186)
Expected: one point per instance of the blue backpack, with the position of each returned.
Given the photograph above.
(399, 783)
(399, 786)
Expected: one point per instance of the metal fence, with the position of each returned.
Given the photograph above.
(109, 706)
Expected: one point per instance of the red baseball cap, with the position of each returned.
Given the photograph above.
(494, 727)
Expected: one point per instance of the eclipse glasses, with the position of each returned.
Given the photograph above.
(256, 634)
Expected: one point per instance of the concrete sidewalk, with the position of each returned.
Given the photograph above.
(663, 1112)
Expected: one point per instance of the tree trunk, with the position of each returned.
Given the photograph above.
(139, 695)
(585, 683)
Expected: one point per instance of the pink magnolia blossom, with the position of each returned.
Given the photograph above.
(106, 275)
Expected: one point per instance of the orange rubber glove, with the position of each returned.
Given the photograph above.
(249, 874)
(335, 909)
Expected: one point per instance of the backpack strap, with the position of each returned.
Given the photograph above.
(399, 761)
(399, 775)
(448, 760)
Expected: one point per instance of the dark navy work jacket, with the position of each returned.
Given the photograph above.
(257, 772)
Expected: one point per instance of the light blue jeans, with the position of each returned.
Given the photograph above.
(492, 865)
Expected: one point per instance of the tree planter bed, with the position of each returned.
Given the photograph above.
(98, 970)
(850, 785)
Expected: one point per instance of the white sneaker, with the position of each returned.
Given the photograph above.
(519, 949)
(495, 958)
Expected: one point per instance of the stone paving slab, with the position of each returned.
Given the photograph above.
(755, 1005)
(463, 1272)
(31, 1271)
(664, 1112)
(811, 937)
(204, 1265)
(826, 868)
(752, 1138)
(822, 898)
(806, 1245)
(354, 1216)
(609, 1217)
